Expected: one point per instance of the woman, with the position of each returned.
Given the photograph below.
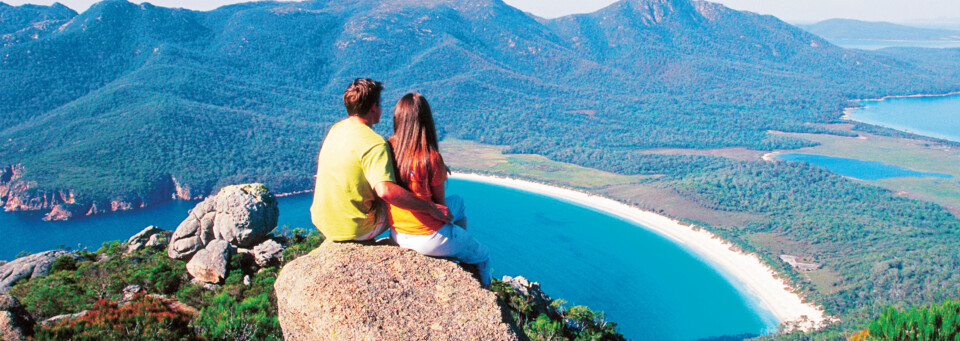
(420, 169)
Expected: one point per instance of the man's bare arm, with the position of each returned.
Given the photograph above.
(402, 198)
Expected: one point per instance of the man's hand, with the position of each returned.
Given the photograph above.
(441, 213)
(398, 196)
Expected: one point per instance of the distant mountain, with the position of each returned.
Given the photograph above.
(124, 104)
(863, 30)
(30, 22)
(936, 23)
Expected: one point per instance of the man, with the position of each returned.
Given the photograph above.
(355, 168)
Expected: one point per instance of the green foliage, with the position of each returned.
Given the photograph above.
(932, 322)
(147, 93)
(144, 318)
(544, 328)
(887, 248)
(301, 242)
(228, 320)
(550, 321)
(73, 286)
(164, 278)
(63, 263)
(59, 293)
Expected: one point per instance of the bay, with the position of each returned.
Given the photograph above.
(653, 288)
(864, 170)
(934, 116)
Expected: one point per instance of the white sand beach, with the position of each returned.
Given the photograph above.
(758, 279)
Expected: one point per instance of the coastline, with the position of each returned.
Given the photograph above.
(754, 277)
(904, 96)
(934, 135)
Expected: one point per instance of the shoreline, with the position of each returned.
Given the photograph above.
(753, 276)
(937, 137)
(903, 96)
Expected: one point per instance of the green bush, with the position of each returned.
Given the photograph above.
(931, 322)
(163, 278)
(59, 293)
(550, 321)
(228, 320)
(63, 263)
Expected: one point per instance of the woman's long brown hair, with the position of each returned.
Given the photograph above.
(414, 141)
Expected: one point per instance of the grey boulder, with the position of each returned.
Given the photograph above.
(151, 236)
(268, 253)
(15, 323)
(35, 265)
(242, 215)
(210, 264)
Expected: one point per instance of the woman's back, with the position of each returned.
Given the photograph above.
(415, 222)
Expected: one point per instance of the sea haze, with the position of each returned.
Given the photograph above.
(652, 288)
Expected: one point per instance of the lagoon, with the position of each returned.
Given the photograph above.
(864, 170)
(934, 116)
(650, 286)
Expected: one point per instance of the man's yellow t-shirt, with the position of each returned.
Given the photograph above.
(352, 160)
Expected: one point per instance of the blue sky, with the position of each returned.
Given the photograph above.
(789, 10)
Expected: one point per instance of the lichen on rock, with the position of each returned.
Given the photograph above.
(353, 292)
(242, 215)
(35, 265)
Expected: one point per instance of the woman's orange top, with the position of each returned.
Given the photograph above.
(415, 222)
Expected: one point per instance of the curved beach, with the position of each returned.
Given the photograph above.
(752, 275)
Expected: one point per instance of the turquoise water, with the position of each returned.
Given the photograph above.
(652, 288)
(930, 116)
(865, 170)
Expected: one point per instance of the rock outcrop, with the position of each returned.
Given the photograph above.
(242, 215)
(15, 323)
(210, 264)
(237, 218)
(35, 265)
(539, 301)
(347, 291)
(19, 193)
(151, 236)
(268, 253)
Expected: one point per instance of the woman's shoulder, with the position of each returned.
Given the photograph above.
(438, 172)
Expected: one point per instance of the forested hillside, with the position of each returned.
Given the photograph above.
(129, 101)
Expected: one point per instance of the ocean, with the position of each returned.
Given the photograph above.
(652, 288)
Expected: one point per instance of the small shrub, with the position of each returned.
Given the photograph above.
(63, 263)
(932, 322)
(228, 320)
(163, 278)
(145, 318)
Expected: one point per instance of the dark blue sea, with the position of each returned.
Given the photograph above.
(652, 288)
(864, 170)
(937, 116)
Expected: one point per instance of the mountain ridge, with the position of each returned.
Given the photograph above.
(658, 73)
(867, 30)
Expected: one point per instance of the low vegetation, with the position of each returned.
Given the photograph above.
(552, 321)
(231, 311)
